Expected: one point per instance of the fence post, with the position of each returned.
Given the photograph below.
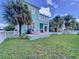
(4, 34)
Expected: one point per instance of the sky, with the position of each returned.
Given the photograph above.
(52, 7)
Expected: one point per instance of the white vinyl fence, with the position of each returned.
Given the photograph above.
(65, 32)
(7, 34)
(12, 34)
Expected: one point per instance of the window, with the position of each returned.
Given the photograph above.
(33, 11)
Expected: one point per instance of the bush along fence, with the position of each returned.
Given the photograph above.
(7, 34)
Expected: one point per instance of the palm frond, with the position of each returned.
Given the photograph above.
(17, 11)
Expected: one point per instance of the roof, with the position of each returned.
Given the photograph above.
(44, 15)
(33, 5)
(37, 8)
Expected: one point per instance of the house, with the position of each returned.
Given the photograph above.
(40, 23)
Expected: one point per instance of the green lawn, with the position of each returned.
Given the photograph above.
(53, 47)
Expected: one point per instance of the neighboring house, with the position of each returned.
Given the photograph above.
(40, 23)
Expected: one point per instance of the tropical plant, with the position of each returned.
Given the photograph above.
(69, 22)
(10, 27)
(56, 23)
(24, 36)
(77, 26)
(73, 24)
(17, 12)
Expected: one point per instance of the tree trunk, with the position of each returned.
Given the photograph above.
(20, 27)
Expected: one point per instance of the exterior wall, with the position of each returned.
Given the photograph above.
(24, 28)
(35, 17)
(45, 21)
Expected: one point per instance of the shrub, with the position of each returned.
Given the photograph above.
(9, 27)
(25, 36)
(78, 33)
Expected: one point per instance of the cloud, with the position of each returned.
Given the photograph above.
(55, 5)
(3, 25)
(52, 3)
(45, 11)
(75, 3)
(56, 14)
(66, 14)
(49, 2)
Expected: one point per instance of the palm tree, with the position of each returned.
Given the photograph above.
(77, 25)
(73, 24)
(69, 20)
(56, 22)
(17, 13)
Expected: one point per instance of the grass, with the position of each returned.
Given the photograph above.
(53, 47)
